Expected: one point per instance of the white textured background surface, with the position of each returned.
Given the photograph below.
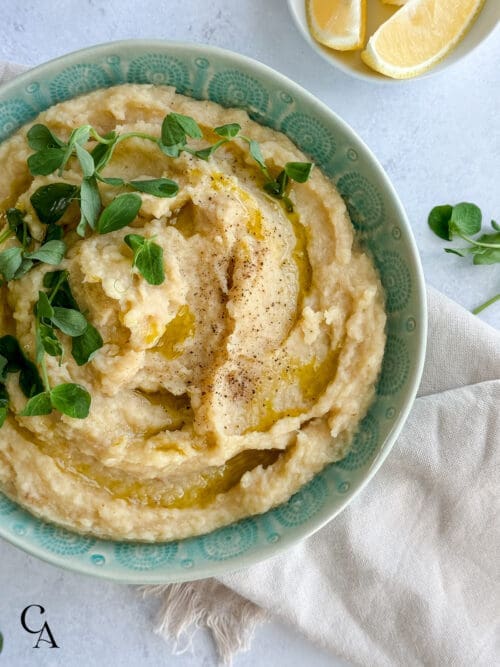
(439, 141)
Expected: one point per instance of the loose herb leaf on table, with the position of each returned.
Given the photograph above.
(464, 221)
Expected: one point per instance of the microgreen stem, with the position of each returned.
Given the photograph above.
(479, 243)
(263, 168)
(485, 305)
(116, 140)
(40, 353)
(45, 377)
(101, 140)
(56, 287)
(6, 234)
(139, 135)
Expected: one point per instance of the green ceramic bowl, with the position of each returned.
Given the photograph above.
(206, 72)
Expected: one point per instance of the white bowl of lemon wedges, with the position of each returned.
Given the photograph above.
(392, 40)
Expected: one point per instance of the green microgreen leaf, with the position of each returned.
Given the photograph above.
(121, 212)
(134, 241)
(17, 224)
(115, 182)
(90, 205)
(26, 265)
(489, 239)
(148, 258)
(51, 252)
(15, 218)
(272, 188)
(229, 131)
(29, 378)
(461, 252)
(188, 124)
(103, 151)
(54, 233)
(10, 350)
(40, 137)
(439, 221)
(43, 306)
(465, 219)
(256, 153)
(86, 161)
(298, 171)
(173, 150)
(278, 188)
(4, 409)
(40, 404)
(282, 181)
(71, 399)
(51, 201)
(172, 133)
(84, 347)
(46, 161)
(487, 256)
(49, 341)
(495, 225)
(205, 153)
(10, 261)
(60, 291)
(158, 187)
(3, 368)
(69, 321)
(80, 135)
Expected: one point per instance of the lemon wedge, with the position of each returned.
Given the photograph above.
(394, 2)
(419, 35)
(338, 24)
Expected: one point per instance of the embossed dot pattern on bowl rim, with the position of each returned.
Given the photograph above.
(233, 80)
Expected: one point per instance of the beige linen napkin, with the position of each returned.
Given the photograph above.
(409, 573)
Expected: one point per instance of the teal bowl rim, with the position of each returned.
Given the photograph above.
(313, 524)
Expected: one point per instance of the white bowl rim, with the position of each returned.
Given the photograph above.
(214, 568)
(448, 62)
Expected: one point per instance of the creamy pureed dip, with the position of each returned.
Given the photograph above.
(218, 393)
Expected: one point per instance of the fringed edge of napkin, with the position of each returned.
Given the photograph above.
(9, 70)
(186, 607)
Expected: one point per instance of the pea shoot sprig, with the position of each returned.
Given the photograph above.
(19, 259)
(176, 128)
(13, 360)
(464, 221)
(56, 310)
